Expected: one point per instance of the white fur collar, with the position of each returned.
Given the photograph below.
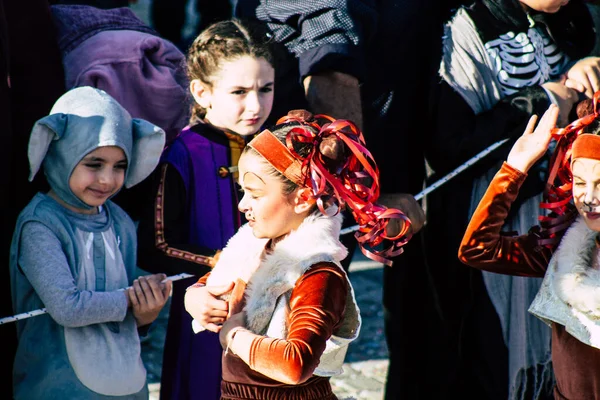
(576, 282)
(269, 276)
(570, 292)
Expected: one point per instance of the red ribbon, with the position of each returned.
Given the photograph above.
(352, 181)
(558, 193)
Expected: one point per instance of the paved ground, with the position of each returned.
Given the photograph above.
(366, 362)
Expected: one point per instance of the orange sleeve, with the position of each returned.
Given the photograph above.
(484, 247)
(202, 281)
(316, 307)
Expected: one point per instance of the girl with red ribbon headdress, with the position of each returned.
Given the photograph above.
(193, 211)
(568, 298)
(292, 312)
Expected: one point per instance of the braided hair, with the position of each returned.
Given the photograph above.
(221, 42)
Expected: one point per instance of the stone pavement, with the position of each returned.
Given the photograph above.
(367, 358)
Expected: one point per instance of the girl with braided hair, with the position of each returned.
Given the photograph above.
(291, 311)
(568, 299)
(193, 212)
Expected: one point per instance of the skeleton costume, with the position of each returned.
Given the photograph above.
(73, 264)
(495, 58)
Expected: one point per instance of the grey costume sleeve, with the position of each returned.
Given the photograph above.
(43, 262)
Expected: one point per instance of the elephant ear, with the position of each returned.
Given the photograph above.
(148, 144)
(45, 130)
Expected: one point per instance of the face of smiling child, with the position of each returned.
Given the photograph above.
(270, 212)
(241, 96)
(586, 190)
(98, 176)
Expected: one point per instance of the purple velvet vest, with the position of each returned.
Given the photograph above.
(197, 153)
(192, 363)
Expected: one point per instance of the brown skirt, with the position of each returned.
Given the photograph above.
(316, 388)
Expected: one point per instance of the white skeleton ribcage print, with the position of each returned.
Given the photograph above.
(525, 59)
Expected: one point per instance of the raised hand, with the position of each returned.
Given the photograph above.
(204, 305)
(148, 296)
(532, 145)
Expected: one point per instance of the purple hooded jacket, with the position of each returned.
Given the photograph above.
(115, 51)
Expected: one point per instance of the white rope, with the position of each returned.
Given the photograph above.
(345, 231)
(41, 311)
(443, 180)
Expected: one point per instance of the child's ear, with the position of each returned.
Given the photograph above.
(201, 93)
(304, 200)
(44, 131)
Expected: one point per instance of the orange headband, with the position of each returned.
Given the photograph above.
(279, 156)
(340, 180)
(586, 146)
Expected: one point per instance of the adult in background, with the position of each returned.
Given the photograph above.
(27, 47)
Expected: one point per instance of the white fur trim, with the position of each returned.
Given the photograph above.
(570, 294)
(576, 282)
(271, 277)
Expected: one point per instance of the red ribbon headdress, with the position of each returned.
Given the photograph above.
(348, 178)
(558, 193)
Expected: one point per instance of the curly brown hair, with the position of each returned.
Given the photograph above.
(225, 41)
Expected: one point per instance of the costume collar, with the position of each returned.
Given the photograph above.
(569, 294)
(268, 276)
(272, 277)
